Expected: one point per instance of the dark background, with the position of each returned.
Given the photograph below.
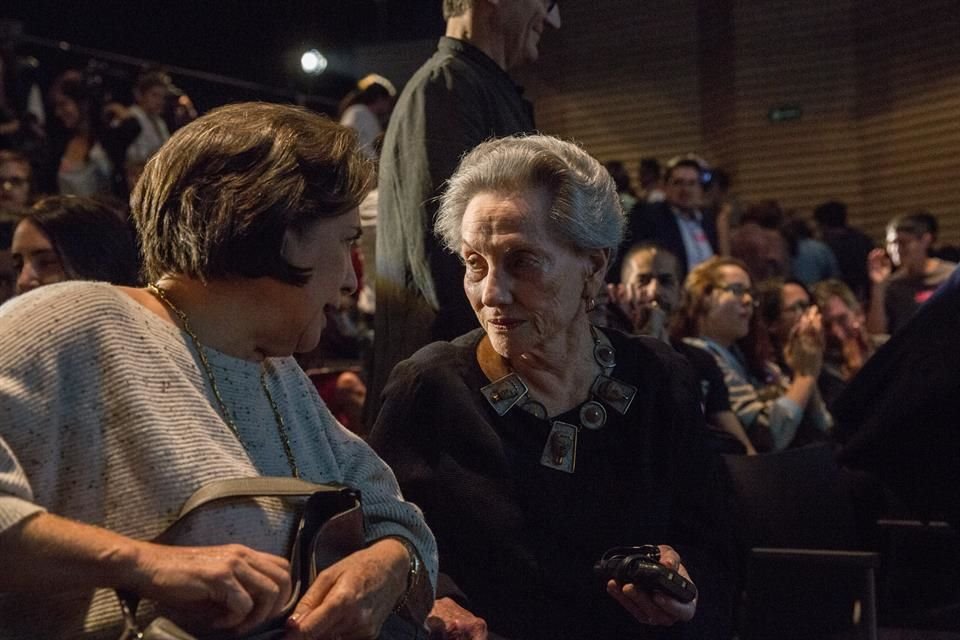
(259, 41)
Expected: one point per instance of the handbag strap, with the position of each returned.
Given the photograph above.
(264, 486)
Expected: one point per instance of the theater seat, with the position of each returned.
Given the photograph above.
(805, 578)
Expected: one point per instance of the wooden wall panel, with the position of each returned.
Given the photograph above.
(796, 54)
(878, 83)
(621, 78)
(909, 110)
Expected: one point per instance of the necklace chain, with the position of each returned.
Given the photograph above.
(201, 352)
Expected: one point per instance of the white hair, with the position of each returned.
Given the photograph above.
(585, 209)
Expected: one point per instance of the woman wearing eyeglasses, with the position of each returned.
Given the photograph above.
(777, 410)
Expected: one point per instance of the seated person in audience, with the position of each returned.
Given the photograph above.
(138, 131)
(764, 251)
(117, 403)
(780, 304)
(777, 410)
(896, 295)
(15, 182)
(538, 441)
(848, 345)
(73, 238)
(645, 300)
(82, 166)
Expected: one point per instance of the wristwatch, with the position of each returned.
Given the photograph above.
(413, 574)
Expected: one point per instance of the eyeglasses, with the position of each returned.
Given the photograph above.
(738, 289)
(797, 307)
(13, 182)
(663, 279)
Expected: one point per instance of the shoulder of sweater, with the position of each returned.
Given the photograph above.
(65, 319)
(80, 298)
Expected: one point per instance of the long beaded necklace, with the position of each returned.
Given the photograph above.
(508, 390)
(161, 294)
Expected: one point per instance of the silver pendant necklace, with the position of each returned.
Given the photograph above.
(560, 449)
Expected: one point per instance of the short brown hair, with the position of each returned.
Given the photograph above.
(216, 200)
(454, 8)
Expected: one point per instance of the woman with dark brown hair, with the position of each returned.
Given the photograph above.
(118, 403)
(73, 238)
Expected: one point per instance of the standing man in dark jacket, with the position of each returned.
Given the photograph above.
(456, 100)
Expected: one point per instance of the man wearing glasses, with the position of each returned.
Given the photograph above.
(460, 97)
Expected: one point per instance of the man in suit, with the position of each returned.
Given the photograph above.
(676, 224)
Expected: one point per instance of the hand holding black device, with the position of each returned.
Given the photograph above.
(641, 567)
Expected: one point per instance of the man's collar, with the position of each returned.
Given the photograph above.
(694, 214)
(464, 48)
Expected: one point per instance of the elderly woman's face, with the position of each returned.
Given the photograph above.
(729, 307)
(526, 286)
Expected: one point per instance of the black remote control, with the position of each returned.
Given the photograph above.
(641, 567)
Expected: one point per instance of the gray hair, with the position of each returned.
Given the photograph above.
(585, 209)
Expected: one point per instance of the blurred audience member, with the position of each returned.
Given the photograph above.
(763, 250)
(650, 175)
(850, 245)
(8, 279)
(777, 410)
(810, 260)
(150, 94)
(366, 110)
(896, 295)
(82, 166)
(781, 304)
(621, 177)
(724, 209)
(73, 238)
(848, 345)
(15, 182)
(179, 110)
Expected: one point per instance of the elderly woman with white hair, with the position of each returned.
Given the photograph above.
(537, 442)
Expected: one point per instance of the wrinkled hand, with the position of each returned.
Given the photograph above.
(352, 598)
(449, 621)
(222, 587)
(879, 266)
(645, 314)
(804, 350)
(655, 608)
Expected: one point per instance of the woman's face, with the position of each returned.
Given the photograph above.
(526, 286)
(67, 111)
(325, 247)
(794, 301)
(35, 261)
(729, 306)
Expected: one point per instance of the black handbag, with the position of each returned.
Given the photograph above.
(330, 528)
